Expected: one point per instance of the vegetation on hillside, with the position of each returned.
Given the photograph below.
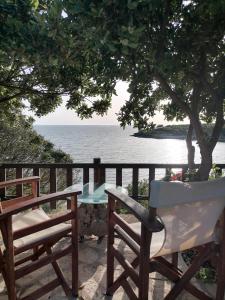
(20, 143)
(175, 132)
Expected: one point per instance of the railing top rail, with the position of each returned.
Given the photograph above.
(92, 165)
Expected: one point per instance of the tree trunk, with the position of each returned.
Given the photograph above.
(190, 148)
(206, 164)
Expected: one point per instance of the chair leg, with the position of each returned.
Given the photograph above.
(110, 267)
(220, 292)
(122, 278)
(9, 258)
(144, 263)
(60, 275)
(196, 264)
(110, 242)
(74, 223)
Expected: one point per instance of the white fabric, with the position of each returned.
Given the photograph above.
(189, 212)
(158, 239)
(168, 194)
(31, 218)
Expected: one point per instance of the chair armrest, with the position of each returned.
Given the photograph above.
(141, 213)
(13, 182)
(12, 210)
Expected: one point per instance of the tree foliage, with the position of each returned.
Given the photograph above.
(42, 58)
(171, 53)
(20, 143)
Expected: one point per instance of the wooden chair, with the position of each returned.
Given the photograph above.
(33, 229)
(181, 216)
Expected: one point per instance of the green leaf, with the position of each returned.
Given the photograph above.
(35, 3)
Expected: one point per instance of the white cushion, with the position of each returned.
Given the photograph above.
(30, 218)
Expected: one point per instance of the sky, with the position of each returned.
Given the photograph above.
(62, 116)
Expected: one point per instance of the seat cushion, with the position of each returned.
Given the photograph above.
(157, 242)
(34, 217)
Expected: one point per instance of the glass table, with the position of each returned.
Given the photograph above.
(92, 205)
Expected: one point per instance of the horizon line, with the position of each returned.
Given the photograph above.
(78, 125)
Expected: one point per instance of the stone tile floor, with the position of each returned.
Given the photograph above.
(92, 276)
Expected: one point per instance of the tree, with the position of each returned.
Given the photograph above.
(170, 51)
(172, 54)
(40, 62)
(20, 143)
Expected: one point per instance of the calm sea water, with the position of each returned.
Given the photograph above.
(113, 144)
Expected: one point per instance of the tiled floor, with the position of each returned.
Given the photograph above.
(92, 276)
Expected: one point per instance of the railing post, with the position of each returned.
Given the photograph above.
(119, 176)
(36, 172)
(2, 178)
(151, 177)
(19, 188)
(85, 175)
(135, 183)
(69, 182)
(99, 172)
(53, 186)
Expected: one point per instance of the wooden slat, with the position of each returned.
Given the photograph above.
(53, 186)
(36, 201)
(141, 213)
(119, 176)
(11, 202)
(69, 182)
(43, 290)
(174, 276)
(29, 268)
(36, 172)
(85, 175)
(15, 182)
(135, 183)
(2, 178)
(118, 282)
(129, 291)
(117, 220)
(19, 188)
(126, 265)
(127, 239)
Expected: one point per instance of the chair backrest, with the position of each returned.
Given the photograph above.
(188, 210)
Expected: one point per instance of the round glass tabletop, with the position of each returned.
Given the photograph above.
(93, 194)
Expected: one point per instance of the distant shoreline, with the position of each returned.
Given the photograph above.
(173, 132)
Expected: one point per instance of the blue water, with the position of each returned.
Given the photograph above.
(116, 145)
(113, 144)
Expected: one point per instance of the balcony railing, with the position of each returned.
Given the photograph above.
(96, 168)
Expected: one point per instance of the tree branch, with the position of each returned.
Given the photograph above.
(7, 98)
(172, 94)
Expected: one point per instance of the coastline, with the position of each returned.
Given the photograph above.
(178, 132)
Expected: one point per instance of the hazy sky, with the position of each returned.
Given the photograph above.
(62, 116)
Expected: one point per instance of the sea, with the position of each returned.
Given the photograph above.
(116, 145)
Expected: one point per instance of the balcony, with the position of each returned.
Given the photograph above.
(92, 255)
